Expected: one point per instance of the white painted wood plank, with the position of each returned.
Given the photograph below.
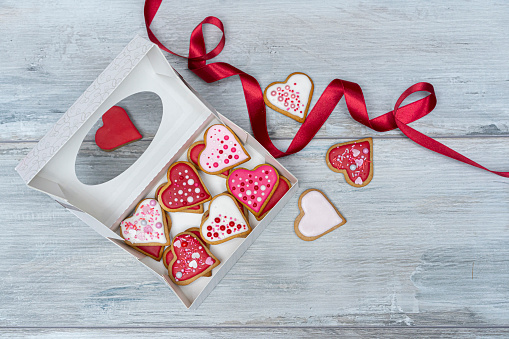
(52, 52)
(425, 245)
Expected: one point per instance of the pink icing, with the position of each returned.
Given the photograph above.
(319, 215)
(253, 188)
(222, 151)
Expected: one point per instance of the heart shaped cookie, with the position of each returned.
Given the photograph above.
(168, 254)
(281, 189)
(354, 159)
(193, 209)
(155, 252)
(184, 188)
(193, 153)
(253, 188)
(224, 221)
(291, 97)
(223, 150)
(148, 226)
(318, 216)
(117, 130)
(191, 259)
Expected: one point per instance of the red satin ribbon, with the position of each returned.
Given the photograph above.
(400, 117)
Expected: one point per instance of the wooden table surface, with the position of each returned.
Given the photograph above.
(425, 250)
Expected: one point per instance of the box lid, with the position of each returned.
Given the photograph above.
(140, 67)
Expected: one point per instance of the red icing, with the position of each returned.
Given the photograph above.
(344, 156)
(253, 188)
(192, 208)
(152, 250)
(281, 190)
(117, 130)
(169, 254)
(185, 186)
(194, 152)
(192, 259)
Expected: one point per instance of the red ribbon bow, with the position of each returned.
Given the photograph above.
(400, 117)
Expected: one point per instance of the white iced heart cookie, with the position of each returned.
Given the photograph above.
(147, 226)
(225, 220)
(291, 97)
(318, 216)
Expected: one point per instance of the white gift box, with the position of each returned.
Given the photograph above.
(50, 166)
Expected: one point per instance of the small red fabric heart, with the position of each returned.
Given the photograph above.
(117, 130)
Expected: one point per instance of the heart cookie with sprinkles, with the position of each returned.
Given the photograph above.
(291, 97)
(253, 188)
(184, 188)
(193, 153)
(354, 159)
(148, 226)
(193, 209)
(191, 259)
(318, 216)
(168, 254)
(224, 221)
(223, 150)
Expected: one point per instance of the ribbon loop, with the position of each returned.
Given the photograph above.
(400, 117)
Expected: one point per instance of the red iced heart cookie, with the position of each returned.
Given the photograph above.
(223, 150)
(354, 159)
(291, 97)
(194, 151)
(148, 226)
(193, 209)
(117, 130)
(184, 188)
(191, 259)
(253, 188)
(155, 252)
(225, 220)
(281, 189)
(168, 254)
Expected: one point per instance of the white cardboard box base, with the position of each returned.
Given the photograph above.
(50, 166)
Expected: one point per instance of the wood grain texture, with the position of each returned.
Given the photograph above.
(425, 243)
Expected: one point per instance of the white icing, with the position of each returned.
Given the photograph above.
(141, 227)
(227, 210)
(301, 85)
(319, 215)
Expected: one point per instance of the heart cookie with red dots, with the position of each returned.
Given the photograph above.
(193, 153)
(191, 259)
(354, 159)
(253, 188)
(224, 221)
(148, 226)
(117, 130)
(184, 188)
(223, 150)
(291, 97)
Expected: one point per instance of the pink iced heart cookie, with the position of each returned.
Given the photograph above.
(318, 216)
(354, 159)
(191, 259)
(222, 151)
(291, 97)
(254, 188)
(148, 226)
(224, 221)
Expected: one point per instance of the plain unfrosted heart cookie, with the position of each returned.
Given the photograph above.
(318, 216)
(184, 188)
(253, 188)
(224, 221)
(291, 97)
(191, 259)
(168, 254)
(148, 226)
(117, 130)
(194, 152)
(223, 150)
(354, 159)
